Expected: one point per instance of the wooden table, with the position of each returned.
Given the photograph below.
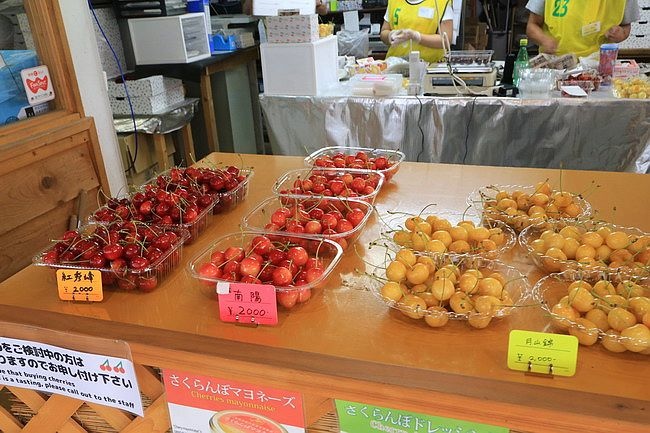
(345, 343)
(201, 72)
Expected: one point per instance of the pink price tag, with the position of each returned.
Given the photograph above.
(247, 303)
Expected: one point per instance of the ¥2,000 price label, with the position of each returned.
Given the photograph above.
(247, 303)
(540, 352)
(80, 285)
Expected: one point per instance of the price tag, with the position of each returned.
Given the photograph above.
(80, 285)
(247, 303)
(540, 352)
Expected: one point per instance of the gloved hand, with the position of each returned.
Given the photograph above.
(396, 37)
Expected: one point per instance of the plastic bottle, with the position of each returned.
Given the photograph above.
(521, 62)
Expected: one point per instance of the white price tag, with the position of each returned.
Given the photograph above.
(223, 288)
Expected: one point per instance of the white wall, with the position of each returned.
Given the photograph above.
(79, 24)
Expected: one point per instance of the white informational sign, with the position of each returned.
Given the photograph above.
(95, 378)
(458, 10)
(265, 8)
(38, 84)
(351, 21)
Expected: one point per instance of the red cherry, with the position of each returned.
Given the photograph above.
(262, 245)
(128, 282)
(298, 255)
(304, 294)
(234, 253)
(287, 298)
(344, 226)
(355, 216)
(250, 267)
(276, 256)
(217, 257)
(148, 284)
(113, 251)
(282, 276)
(313, 227)
(209, 271)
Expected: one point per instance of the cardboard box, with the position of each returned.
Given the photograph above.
(155, 104)
(306, 69)
(148, 86)
(626, 69)
(292, 29)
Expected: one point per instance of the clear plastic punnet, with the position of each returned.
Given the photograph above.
(306, 216)
(294, 264)
(385, 161)
(597, 307)
(331, 182)
(76, 251)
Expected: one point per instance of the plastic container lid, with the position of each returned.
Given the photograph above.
(609, 47)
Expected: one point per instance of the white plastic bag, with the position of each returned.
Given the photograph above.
(355, 44)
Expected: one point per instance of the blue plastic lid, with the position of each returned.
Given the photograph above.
(609, 47)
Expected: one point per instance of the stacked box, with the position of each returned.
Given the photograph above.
(291, 29)
(150, 95)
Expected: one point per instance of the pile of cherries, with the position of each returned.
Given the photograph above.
(361, 160)
(285, 264)
(319, 216)
(128, 253)
(334, 183)
(223, 182)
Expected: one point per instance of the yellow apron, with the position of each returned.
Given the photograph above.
(579, 26)
(422, 17)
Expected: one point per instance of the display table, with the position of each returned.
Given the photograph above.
(345, 343)
(599, 133)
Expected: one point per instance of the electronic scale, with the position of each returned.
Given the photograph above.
(478, 78)
(474, 67)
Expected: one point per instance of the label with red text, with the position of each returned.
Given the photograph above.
(38, 84)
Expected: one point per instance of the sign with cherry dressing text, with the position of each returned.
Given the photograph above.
(359, 417)
(247, 303)
(38, 84)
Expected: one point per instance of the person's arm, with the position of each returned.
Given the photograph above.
(618, 33)
(384, 32)
(536, 34)
(435, 41)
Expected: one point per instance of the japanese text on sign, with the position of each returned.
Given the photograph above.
(355, 417)
(80, 285)
(194, 399)
(539, 352)
(247, 303)
(96, 378)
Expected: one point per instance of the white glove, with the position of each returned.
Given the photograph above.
(396, 37)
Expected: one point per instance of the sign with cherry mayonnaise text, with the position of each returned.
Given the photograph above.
(202, 404)
(247, 303)
(359, 417)
(38, 84)
(85, 376)
(80, 285)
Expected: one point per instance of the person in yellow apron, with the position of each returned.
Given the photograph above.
(579, 26)
(417, 25)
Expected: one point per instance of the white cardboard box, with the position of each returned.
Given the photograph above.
(148, 86)
(154, 104)
(292, 29)
(299, 69)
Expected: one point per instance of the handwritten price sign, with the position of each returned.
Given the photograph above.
(247, 303)
(80, 285)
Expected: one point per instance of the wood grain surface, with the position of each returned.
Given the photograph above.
(345, 343)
